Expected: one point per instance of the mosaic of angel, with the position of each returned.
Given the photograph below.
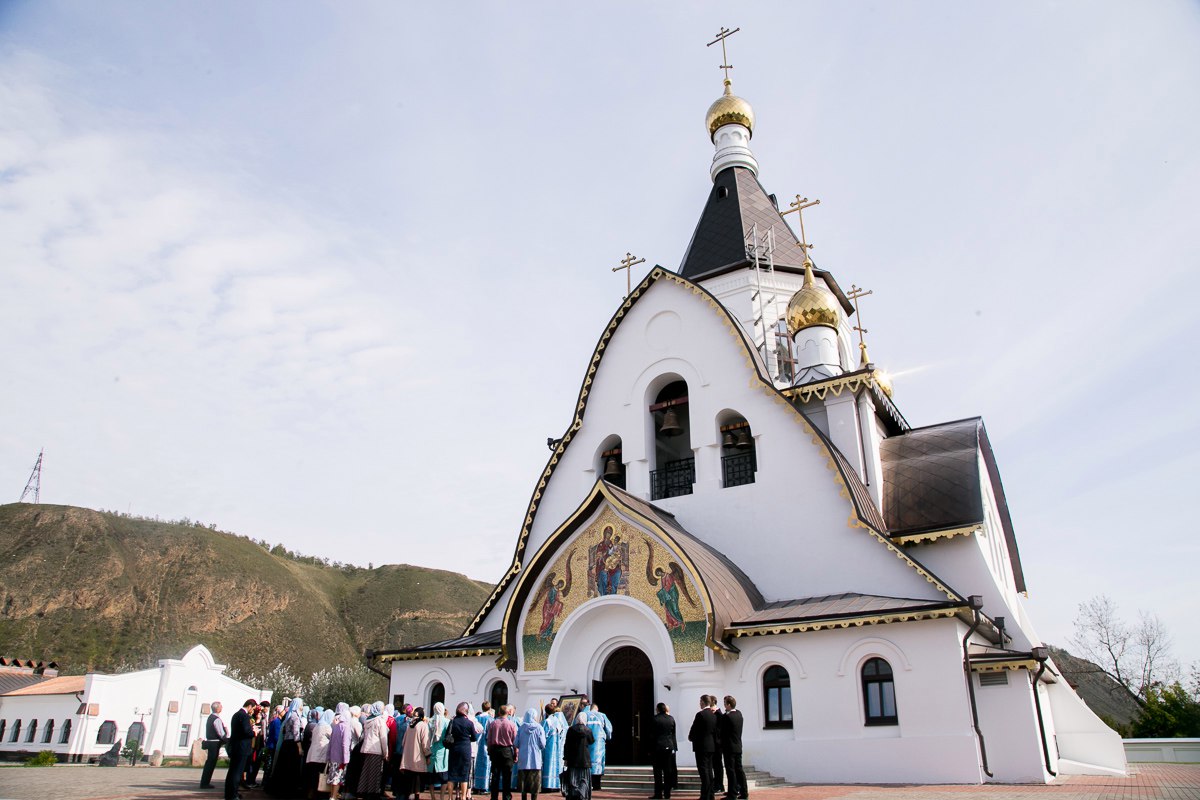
(550, 598)
(670, 582)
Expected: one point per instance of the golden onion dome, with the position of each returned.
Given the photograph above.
(811, 305)
(729, 108)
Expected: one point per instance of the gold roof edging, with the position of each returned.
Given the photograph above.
(929, 536)
(767, 629)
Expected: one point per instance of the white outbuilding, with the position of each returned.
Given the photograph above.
(80, 717)
(739, 507)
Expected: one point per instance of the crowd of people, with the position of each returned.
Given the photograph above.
(375, 751)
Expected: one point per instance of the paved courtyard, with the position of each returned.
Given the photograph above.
(1145, 782)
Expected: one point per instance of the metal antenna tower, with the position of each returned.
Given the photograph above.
(33, 487)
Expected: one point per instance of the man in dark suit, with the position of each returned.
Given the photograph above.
(731, 746)
(665, 747)
(215, 738)
(718, 765)
(240, 743)
(703, 738)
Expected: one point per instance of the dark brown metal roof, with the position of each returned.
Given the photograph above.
(487, 639)
(837, 605)
(932, 481)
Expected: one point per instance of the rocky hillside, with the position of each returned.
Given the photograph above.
(94, 590)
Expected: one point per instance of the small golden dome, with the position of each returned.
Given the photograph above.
(811, 305)
(729, 108)
(885, 382)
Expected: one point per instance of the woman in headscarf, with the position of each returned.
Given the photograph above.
(602, 731)
(355, 766)
(416, 752)
(314, 719)
(460, 736)
(318, 754)
(531, 740)
(374, 752)
(403, 717)
(577, 757)
(483, 765)
(339, 751)
(284, 780)
(439, 758)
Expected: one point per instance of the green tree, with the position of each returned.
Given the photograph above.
(132, 751)
(1170, 711)
(342, 684)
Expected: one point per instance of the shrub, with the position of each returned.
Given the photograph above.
(46, 758)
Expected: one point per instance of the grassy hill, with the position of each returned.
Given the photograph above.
(95, 590)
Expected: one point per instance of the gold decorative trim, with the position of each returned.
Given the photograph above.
(469, 653)
(929, 536)
(844, 622)
(1001, 666)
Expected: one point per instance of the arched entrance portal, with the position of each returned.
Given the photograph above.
(626, 695)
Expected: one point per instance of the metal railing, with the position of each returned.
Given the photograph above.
(673, 479)
(738, 469)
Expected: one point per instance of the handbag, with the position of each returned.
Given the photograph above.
(448, 737)
(322, 783)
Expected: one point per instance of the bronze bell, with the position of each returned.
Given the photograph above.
(743, 439)
(612, 469)
(728, 440)
(670, 426)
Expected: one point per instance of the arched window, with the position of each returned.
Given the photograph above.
(674, 461)
(739, 461)
(499, 695)
(136, 731)
(16, 734)
(107, 733)
(3, 728)
(879, 693)
(777, 698)
(66, 734)
(32, 734)
(610, 464)
(437, 694)
(49, 734)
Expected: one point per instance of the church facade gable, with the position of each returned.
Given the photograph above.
(612, 557)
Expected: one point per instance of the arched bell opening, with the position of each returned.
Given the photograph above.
(674, 469)
(739, 457)
(609, 462)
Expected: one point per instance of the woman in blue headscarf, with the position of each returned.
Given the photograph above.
(286, 768)
(318, 753)
(531, 741)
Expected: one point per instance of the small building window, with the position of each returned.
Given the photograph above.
(16, 733)
(879, 693)
(136, 732)
(32, 734)
(49, 733)
(107, 733)
(610, 463)
(777, 698)
(66, 734)
(437, 694)
(499, 694)
(185, 731)
(674, 462)
(3, 728)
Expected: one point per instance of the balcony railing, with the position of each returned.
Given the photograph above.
(673, 479)
(738, 469)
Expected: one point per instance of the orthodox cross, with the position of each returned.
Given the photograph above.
(798, 208)
(722, 35)
(854, 294)
(626, 263)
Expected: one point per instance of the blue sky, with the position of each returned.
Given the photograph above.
(329, 274)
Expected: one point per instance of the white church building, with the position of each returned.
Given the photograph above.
(80, 717)
(739, 507)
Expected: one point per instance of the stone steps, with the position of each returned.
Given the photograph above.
(636, 779)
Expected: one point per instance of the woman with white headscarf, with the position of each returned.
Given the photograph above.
(439, 758)
(577, 758)
(339, 751)
(318, 754)
(414, 763)
(374, 753)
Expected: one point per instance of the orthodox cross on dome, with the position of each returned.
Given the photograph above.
(626, 263)
(722, 35)
(798, 208)
(854, 294)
